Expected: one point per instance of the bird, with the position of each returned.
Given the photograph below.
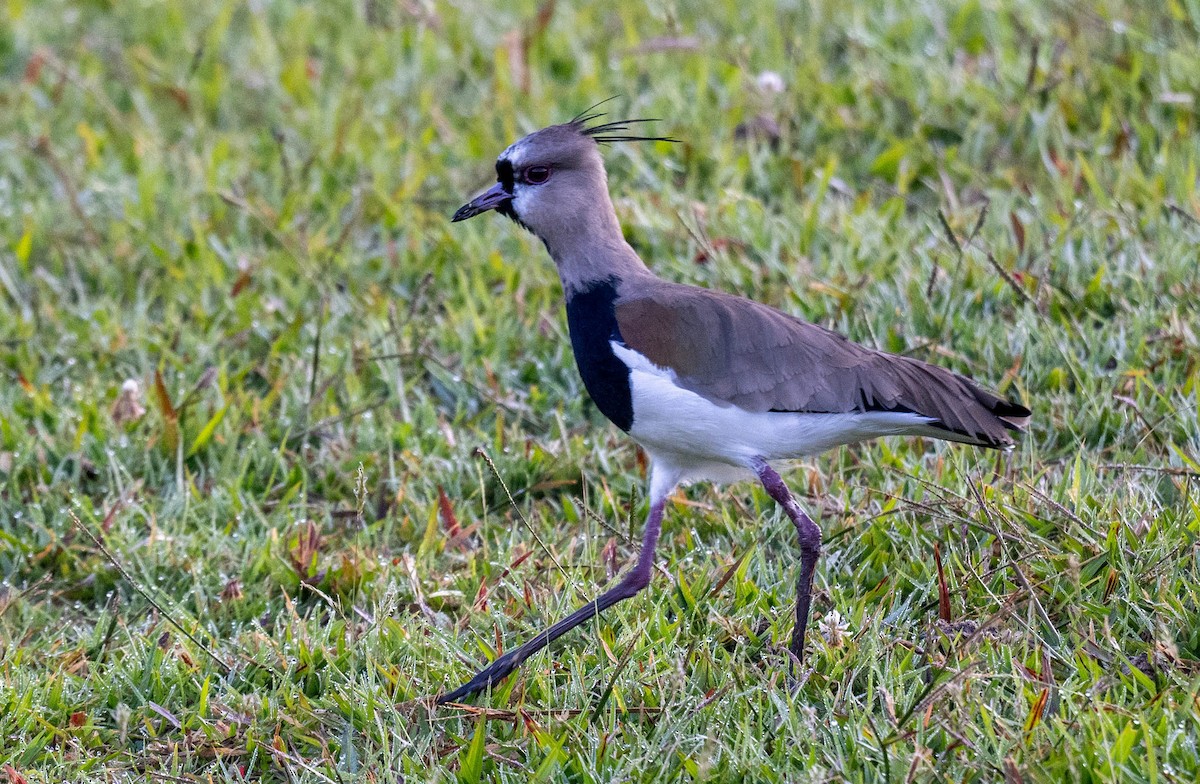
(712, 386)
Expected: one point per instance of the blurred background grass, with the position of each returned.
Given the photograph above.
(241, 343)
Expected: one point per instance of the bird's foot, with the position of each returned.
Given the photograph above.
(488, 676)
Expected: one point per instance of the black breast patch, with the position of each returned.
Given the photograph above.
(592, 320)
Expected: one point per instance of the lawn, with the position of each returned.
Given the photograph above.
(283, 452)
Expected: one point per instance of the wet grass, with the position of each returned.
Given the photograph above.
(254, 385)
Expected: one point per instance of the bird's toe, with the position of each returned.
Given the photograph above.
(488, 676)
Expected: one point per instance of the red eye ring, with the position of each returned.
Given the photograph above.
(536, 175)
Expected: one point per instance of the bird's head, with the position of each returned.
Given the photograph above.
(554, 178)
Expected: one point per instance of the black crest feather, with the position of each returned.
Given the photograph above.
(612, 132)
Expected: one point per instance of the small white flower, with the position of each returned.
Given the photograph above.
(770, 82)
(129, 406)
(833, 628)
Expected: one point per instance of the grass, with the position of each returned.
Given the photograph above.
(237, 213)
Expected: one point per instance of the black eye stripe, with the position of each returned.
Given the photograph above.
(504, 174)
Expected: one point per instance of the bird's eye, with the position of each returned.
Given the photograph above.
(536, 175)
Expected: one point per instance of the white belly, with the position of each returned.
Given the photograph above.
(719, 442)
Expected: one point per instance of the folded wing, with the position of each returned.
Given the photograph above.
(735, 351)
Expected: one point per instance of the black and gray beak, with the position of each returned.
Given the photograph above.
(490, 199)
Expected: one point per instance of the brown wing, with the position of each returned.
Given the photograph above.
(736, 351)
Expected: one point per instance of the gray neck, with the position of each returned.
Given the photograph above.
(591, 248)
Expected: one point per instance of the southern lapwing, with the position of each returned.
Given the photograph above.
(711, 385)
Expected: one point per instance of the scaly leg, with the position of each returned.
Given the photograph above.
(810, 548)
(633, 582)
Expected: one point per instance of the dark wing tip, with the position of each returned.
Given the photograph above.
(1013, 415)
(976, 415)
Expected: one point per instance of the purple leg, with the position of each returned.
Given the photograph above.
(633, 582)
(810, 548)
